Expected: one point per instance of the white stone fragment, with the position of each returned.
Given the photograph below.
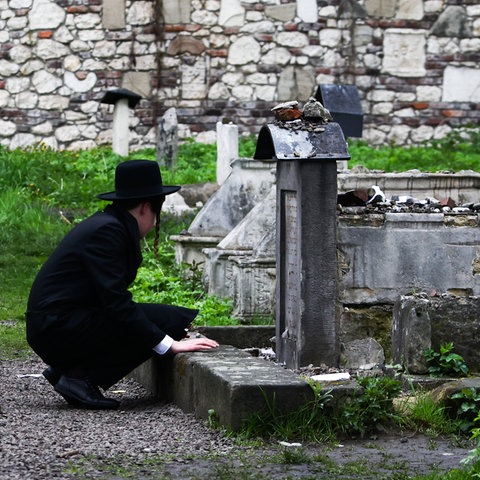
(331, 377)
(45, 82)
(45, 14)
(244, 50)
(72, 82)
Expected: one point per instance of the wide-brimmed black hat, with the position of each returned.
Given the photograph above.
(135, 179)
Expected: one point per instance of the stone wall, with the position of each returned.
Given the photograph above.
(414, 62)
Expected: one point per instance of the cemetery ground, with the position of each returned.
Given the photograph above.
(43, 438)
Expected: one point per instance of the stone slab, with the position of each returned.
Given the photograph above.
(228, 381)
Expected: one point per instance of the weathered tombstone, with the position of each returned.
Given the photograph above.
(306, 325)
(123, 100)
(227, 149)
(167, 139)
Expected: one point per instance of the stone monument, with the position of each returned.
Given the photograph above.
(306, 325)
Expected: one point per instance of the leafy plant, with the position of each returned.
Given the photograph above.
(372, 409)
(445, 363)
(468, 406)
(160, 280)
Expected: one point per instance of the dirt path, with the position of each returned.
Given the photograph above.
(42, 438)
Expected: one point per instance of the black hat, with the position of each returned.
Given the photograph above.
(135, 179)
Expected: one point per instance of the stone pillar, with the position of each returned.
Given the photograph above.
(121, 133)
(227, 149)
(306, 263)
(123, 100)
(306, 244)
(167, 139)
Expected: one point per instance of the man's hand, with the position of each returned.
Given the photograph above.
(193, 345)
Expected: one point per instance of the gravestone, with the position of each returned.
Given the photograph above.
(227, 149)
(167, 139)
(306, 324)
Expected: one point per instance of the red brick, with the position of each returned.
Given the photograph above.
(45, 34)
(452, 113)
(218, 53)
(77, 9)
(420, 105)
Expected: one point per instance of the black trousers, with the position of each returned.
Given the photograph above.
(90, 341)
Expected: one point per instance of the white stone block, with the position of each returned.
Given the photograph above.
(382, 108)
(7, 129)
(140, 13)
(7, 68)
(218, 91)
(330, 37)
(426, 93)
(77, 85)
(203, 17)
(422, 133)
(44, 82)
(26, 100)
(232, 13)
(404, 52)
(433, 6)
(307, 11)
(277, 56)
(442, 131)
(20, 4)
(88, 21)
(17, 84)
(72, 63)
(17, 23)
(44, 128)
(227, 149)
(67, 133)
(4, 98)
(258, 27)
(45, 14)
(292, 39)
(470, 45)
(409, 9)
(244, 50)
(265, 93)
(22, 140)
(398, 134)
(461, 84)
(242, 92)
(50, 49)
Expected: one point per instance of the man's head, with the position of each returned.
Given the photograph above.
(139, 190)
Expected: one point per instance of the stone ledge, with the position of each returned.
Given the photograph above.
(229, 381)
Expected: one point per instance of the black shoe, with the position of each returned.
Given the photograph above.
(52, 375)
(84, 393)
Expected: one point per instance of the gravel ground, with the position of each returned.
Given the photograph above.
(41, 437)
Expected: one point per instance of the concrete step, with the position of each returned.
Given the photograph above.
(229, 382)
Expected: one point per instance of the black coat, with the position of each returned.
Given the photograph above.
(80, 313)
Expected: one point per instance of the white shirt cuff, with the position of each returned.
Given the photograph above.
(164, 346)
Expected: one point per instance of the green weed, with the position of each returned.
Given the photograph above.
(423, 414)
(445, 363)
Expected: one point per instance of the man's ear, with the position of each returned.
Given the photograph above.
(145, 207)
